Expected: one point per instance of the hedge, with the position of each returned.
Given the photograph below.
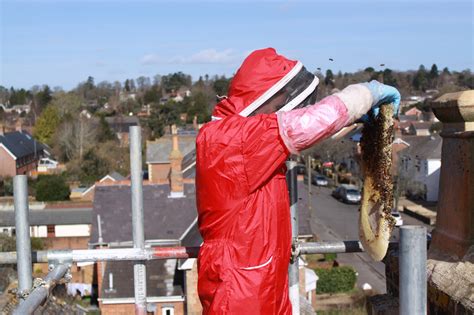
(51, 188)
(335, 280)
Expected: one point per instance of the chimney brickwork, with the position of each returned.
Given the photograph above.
(454, 232)
(176, 174)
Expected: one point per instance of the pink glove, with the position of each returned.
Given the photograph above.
(302, 128)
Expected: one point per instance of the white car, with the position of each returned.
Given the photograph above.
(398, 218)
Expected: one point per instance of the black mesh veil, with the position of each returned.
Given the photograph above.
(302, 85)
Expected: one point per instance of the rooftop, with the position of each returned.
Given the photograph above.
(158, 151)
(51, 216)
(20, 144)
(165, 218)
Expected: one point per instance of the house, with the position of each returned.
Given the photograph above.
(18, 109)
(420, 166)
(419, 128)
(58, 226)
(120, 125)
(413, 112)
(158, 155)
(19, 153)
(87, 193)
(170, 220)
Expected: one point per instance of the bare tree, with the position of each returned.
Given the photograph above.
(76, 137)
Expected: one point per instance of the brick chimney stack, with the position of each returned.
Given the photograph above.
(454, 232)
(176, 174)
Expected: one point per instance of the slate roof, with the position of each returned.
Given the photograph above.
(165, 218)
(117, 176)
(423, 147)
(158, 151)
(60, 216)
(162, 279)
(21, 144)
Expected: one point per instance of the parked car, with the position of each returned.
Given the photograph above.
(316, 179)
(347, 194)
(320, 180)
(398, 218)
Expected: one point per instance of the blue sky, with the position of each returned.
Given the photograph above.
(60, 43)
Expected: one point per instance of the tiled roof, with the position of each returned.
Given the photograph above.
(59, 216)
(165, 218)
(163, 279)
(423, 147)
(158, 151)
(21, 144)
(117, 176)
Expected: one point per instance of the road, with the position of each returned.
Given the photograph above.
(334, 220)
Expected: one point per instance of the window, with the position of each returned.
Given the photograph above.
(167, 310)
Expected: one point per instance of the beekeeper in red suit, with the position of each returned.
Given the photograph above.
(242, 196)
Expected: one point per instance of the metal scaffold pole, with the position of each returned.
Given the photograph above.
(293, 272)
(22, 228)
(412, 261)
(41, 292)
(139, 269)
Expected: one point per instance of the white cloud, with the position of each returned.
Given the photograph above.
(209, 56)
(206, 56)
(151, 59)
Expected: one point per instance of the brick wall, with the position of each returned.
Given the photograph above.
(193, 304)
(7, 163)
(157, 173)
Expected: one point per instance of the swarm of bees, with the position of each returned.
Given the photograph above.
(375, 219)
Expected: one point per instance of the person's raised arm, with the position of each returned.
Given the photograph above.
(302, 128)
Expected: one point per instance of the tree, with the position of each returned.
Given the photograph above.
(47, 124)
(89, 85)
(369, 69)
(173, 81)
(388, 78)
(221, 85)
(52, 188)
(67, 104)
(433, 76)
(42, 98)
(93, 167)
(466, 79)
(420, 81)
(104, 133)
(75, 137)
(200, 107)
(126, 85)
(18, 97)
(162, 116)
(329, 79)
(152, 95)
(143, 83)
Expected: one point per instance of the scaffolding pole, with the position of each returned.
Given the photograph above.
(178, 252)
(22, 230)
(139, 268)
(41, 292)
(412, 261)
(293, 272)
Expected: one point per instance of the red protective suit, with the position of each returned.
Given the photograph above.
(242, 196)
